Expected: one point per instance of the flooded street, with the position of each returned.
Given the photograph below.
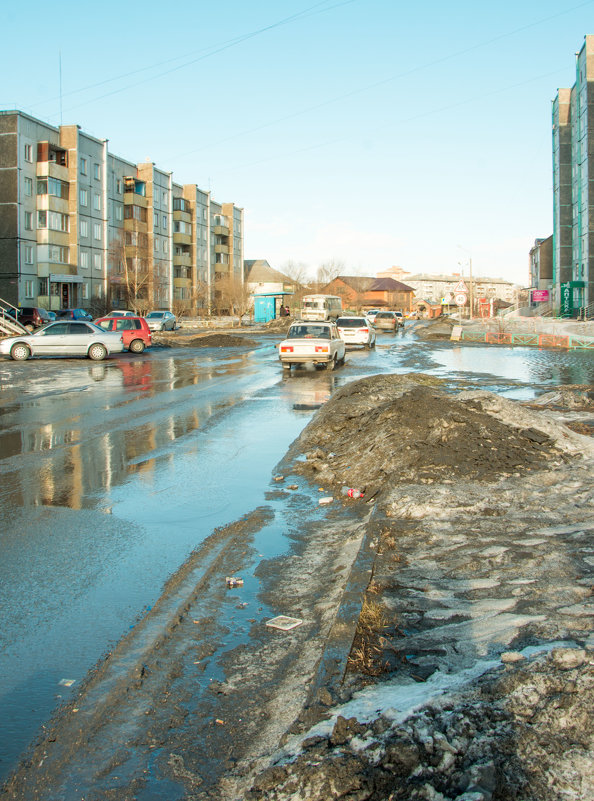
(114, 473)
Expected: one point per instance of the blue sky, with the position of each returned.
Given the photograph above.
(368, 132)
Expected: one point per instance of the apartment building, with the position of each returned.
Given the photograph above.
(80, 226)
(436, 287)
(573, 223)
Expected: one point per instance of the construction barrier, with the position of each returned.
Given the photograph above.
(527, 340)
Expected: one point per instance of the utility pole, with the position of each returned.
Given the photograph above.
(470, 288)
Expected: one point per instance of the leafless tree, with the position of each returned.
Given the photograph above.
(328, 271)
(128, 270)
(231, 296)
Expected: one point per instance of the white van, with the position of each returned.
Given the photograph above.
(321, 307)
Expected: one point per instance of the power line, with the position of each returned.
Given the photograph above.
(375, 84)
(206, 53)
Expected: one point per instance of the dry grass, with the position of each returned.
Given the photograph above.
(366, 653)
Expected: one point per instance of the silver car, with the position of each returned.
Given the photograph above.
(161, 321)
(64, 338)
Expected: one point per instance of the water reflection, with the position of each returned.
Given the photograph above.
(97, 438)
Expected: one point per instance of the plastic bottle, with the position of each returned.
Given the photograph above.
(351, 493)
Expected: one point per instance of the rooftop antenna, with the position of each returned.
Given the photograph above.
(60, 70)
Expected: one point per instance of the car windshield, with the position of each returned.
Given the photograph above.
(351, 322)
(309, 332)
(155, 315)
(385, 314)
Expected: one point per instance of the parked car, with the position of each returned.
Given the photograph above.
(371, 314)
(400, 319)
(32, 317)
(134, 330)
(386, 321)
(161, 321)
(314, 343)
(356, 330)
(52, 316)
(64, 338)
(74, 314)
(121, 313)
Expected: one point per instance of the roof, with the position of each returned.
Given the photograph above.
(258, 271)
(363, 283)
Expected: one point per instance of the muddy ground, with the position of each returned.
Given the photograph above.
(191, 339)
(470, 550)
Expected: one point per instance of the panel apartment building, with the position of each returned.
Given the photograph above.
(81, 227)
(573, 188)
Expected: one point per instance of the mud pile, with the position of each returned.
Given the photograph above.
(205, 341)
(437, 329)
(386, 430)
(522, 733)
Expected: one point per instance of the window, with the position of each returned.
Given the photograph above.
(135, 213)
(29, 289)
(97, 172)
(165, 246)
(164, 198)
(119, 186)
(59, 255)
(85, 290)
(97, 261)
(97, 231)
(84, 197)
(29, 156)
(28, 254)
(119, 212)
(84, 259)
(164, 222)
(97, 202)
(83, 166)
(84, 228)
(97, 292)
(28, 221)
(156, 245)
(28, 186)
(132, 238)
(51, 186)
(155, 221)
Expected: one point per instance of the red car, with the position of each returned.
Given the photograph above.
(134, 330)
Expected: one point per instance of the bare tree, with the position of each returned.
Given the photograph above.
(231, 296)
(299, 273)
(128, 270)
(328, 271)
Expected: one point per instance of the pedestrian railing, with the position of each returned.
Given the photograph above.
(528, 340)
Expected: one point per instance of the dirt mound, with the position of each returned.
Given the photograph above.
(523, 733)
(395, 429)
(208, 341)
(438, 329)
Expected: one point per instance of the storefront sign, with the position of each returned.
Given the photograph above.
(566, 309)
(540, 295)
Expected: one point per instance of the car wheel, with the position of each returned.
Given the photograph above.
(331, 365)
(136, 346)
(97, 352)
(20, 352)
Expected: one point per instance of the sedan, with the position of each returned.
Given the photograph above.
(317, 343)
(356, 331)
(64, 338)
(386, 321)
(161, 321)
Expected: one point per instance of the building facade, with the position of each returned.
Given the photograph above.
(363, 292)
(82, 227)
(436, 288)
(573, 219)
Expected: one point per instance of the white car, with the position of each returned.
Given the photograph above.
(312, 343)
(161, 321)
(371, 314)
(64, 338)
(121, 313)
(356, 330)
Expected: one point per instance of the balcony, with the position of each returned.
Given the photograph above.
(182, 283)
(182, 239)
(52, 203)
(47, 236)
(182, 215)
(134, 199)
(221, 230)
(49, 169)
(221, 249)
(182, 260)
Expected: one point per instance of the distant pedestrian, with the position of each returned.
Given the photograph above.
(283, 311)
(287, 311)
